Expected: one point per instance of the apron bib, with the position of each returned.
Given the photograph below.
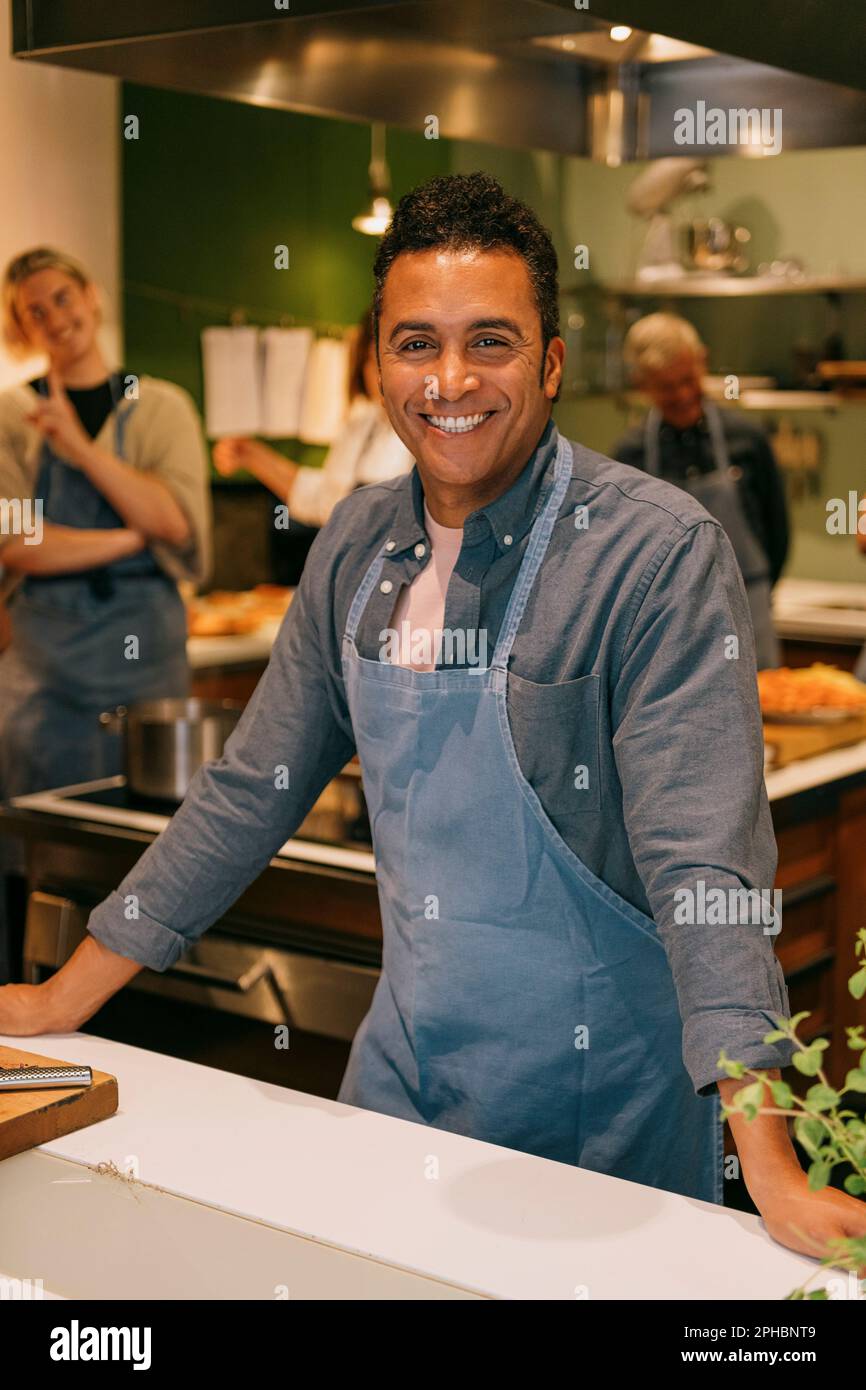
(718, 493)
(65, 663)
(521, 1000)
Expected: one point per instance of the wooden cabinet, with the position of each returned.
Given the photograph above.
(821, 835)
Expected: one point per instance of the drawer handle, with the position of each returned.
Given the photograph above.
(241, 983)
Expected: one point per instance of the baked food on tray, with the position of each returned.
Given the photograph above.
(224, 613)
(812, 693)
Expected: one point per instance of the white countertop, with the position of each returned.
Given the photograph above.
(816, 771)
(820, 608)
(240, 650)
(494, 1221)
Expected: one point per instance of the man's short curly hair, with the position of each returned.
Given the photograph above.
(472, 212)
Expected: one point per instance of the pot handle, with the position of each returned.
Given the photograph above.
(114, 720)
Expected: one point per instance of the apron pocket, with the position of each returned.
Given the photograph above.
(562, 766)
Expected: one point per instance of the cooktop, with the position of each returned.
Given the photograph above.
(325, 837)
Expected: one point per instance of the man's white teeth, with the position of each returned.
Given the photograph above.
(457, 424)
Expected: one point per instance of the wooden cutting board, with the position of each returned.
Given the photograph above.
(791, 742)
(28, 1118)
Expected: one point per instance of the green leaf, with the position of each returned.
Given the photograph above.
(782, 1094)
(810, 1133)
(819, 1176)
(776, 1036)
(855, 1080)
(749, 1099)
(857, 983)
(855, 1184)
(822, 1097)
(733, 1069)
(856, 1246)
(797, 1019)
(808, 1062)
(818, 1295)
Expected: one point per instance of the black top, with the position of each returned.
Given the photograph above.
(761, 487)
(92, 404)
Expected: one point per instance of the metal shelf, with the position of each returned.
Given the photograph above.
(731, 286)
(749, 400)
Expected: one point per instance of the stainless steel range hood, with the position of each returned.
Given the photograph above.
(538, 74)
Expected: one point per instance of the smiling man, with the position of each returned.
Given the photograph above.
(538, 818)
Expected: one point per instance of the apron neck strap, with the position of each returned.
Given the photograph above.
(539, 540)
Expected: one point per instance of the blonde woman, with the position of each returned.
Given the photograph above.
(104, 506)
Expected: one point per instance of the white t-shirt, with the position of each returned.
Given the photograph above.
(420, 611)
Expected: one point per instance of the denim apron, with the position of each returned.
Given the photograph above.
(67, 659)
(521, 1000)
(718, 492)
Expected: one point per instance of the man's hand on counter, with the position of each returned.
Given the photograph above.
(805, 1221)
(68, 999)
(810, 1222)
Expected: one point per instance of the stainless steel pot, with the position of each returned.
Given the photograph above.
(167, 741)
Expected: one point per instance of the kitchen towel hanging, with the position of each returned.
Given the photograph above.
(286, 353)
(325, 399)
(232, 381)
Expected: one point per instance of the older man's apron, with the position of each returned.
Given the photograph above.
(521, 1000)
(70, 656)
(718, 492)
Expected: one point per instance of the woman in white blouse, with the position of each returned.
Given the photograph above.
(366, 451)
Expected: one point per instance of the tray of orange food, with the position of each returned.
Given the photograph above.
(231, 613)
(815, 694)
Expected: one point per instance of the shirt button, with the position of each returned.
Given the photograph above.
(386, 586)
(507, 540)
(420, 550)
(390, 545)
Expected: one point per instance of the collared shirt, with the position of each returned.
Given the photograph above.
(633, 667)
(684, 453)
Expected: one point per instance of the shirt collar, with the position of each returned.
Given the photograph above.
(508, 516)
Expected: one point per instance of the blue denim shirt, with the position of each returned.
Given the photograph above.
(634, 666)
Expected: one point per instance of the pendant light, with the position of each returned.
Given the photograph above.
(377, 213)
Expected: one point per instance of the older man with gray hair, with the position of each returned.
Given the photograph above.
(722, 459)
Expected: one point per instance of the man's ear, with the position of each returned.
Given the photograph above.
(554, 360)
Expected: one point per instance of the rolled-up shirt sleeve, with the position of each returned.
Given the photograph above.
(292, 738)
(688, 745)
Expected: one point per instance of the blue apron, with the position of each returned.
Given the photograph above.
(521, 1000)
(66, 661)
(718, 492)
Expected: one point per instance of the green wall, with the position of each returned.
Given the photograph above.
(211, 186)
